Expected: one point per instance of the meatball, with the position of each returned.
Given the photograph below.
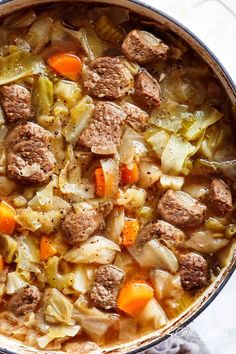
(24, 301)
(29, 159)
(180, 209)
(108, 77)
(106, 286)
(193, 271)
(16, 102)
(143, 47)
(136, 117)
(103, 133)
(147, 91)
(220, 198)
(79, 226)
(160, 230)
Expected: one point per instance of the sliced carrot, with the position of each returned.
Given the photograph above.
(130, 232)
(1, 263)
(66, 64)
(130, 174)
(7, 218)
(133, 296)
(100, 182)
(46, 248)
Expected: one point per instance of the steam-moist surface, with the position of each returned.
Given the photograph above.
(117, 175)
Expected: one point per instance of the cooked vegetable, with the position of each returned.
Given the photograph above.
(158, 141)
(18, 65)
(152, 314)
(96, 249)
(14, 283)
(58, 308)
(83, 276)
(205, 242)
(68, 91)
(175, 153)
(66, 64)
(39, 33)
(79, 117)
(130, 232)
(133, 296)
(55, 279)
(132, 199)
(1, 263)
(111, 178)
(43, 95)
(28, 254)
(171, 182)
(153, 254)
(202, 120)
(117, 177)
(167, 286)
(130, 174)
(107, 30)
(115, 224)
(100, 182)
(8, 247)
(20, 19)
(46, 248)
(149, 173)
(7, 218)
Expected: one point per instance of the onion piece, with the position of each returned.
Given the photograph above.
(132, 144)
(172, 182)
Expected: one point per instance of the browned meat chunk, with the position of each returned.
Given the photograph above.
(160, 230)
(103, 133)
(106, 286)
(108, 77)
(193, 271)
(79, 226)
(29, 159)
(180, 209)
(220, 198)
(147, 91)
(143, 47)
(16, 102)
(24, 301)
(136, 117)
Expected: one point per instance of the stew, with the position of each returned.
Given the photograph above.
(117, 176)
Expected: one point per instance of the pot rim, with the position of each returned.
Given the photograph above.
(229, 79)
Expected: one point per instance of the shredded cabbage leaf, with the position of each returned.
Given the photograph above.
(28, 255)
(96, 249)
(14, 283)
(58, 308)
(18, 65)
(54, 278)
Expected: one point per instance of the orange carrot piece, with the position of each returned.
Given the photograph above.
(130, 232)
(133, 296)
(130, 174)
(66, 64)
(100, 182)
(7, 218)
(46, 248)
(1, 263)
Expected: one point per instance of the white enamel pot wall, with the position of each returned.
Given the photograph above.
(9, 345)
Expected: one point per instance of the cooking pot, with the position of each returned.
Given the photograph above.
(11, 346)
